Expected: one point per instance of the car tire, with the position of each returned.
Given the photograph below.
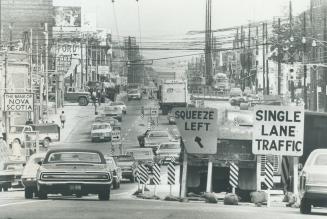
(46, 142)
(305, 206)
(28, 193)
(0, 188)
(104, 195)
(43, 195)
(78, 195)
(115, 184)
(5, 188)
(82, 101)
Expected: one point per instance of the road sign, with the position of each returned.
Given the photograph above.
(115, 136)
(19, 102)
(154, 112)
(278, 130)
(171, 173)
(233, 175)
(198, 128)
(269, 175)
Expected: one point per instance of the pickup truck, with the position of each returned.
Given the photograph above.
(47, 133)
(81, 97)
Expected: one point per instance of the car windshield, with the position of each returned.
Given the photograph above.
(16, 129)
(116, 104)
(83, 157)
(158, 135)
(100, 126)
(321, 160)
(169, 146)
(14, 166)
(133, 92)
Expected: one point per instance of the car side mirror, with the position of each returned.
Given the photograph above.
(39, 163)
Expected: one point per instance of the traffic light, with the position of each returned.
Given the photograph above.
(53, 79)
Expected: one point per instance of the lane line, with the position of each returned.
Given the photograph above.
(21, 203)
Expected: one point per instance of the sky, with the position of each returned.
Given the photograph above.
(172, 19)
(176, 17)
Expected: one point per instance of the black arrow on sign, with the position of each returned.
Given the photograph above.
(198, 140)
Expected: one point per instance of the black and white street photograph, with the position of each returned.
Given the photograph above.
(163, 109)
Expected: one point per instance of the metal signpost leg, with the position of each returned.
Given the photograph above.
(268, 197)
(233, 190)
(143, 186)
(170, 190)
(184, 176)
(209, 176)
(155, 190)
(296, 178)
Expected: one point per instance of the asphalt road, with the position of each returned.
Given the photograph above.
(122, 203)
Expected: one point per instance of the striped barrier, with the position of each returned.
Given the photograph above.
(156, 174)
(171, 173)
(269, 175)
(143, 173)
(233, 175)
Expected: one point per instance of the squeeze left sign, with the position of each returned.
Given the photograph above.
(18, 102)
(278, 130)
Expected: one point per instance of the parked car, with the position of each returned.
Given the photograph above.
(29, 174)
(128, 166)
(115, 124)
(171, 119)
(134, 94)
(74, 171)
(47, 133)
(152, 138)
(83, 98)
(313, 181)
(121, 105)
(142, 155)
(167, 151)
(112, 111)
(115, 172)
(101, 131)
(11, 175)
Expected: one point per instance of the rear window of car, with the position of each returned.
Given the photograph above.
(321, 160)
(14, 167)
(158, 135)
(100, 126)
(127, 158)
(169, 146)
(79, 157)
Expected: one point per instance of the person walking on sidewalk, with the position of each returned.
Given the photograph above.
(62, 119)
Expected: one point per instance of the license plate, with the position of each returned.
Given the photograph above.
(75, 187)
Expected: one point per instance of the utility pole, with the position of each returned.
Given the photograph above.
(7, 114)
(279, 66)
(256, 55)
(46, 81)
(263, 59)
(31, 59)
(82, 64)
(248, 80)
(267, 61)
(305, 94)
(324, 87)
(208, 44)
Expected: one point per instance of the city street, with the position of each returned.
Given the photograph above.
(122, 204)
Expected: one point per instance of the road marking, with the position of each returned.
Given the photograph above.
(19, 203)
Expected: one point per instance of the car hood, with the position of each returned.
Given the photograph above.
(125, 164)
(10, 172)
(72, 167)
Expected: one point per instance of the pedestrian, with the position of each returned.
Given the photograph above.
(62, 119)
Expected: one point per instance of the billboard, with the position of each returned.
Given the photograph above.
(67, 16)
(18, 102)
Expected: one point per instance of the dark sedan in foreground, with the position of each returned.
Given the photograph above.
(74, 171)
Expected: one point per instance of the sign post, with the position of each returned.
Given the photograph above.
(278, 130)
